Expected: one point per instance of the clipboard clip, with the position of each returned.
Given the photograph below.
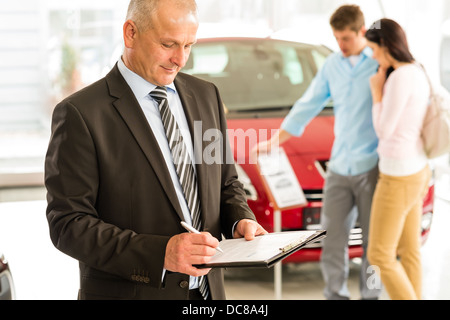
(291, 245)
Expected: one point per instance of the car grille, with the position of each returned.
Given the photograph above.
(313, 195)
(355, 239)
(311, 220)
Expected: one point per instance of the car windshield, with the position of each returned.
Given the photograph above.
(256, 74)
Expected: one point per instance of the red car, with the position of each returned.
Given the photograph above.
(259, 81)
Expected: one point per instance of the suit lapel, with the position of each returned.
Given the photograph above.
(195, 122)
(130, 111)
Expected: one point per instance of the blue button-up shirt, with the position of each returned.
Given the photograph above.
(355, 146)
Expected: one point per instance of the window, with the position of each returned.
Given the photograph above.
(49, 49)
(210, 60)
(319, 58)
(292, 68)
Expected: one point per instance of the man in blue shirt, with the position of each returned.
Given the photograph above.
(352, 172)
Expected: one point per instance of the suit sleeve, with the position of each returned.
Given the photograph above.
(72, 182)
(233, 203)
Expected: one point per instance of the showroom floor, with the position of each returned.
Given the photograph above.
(43, 273)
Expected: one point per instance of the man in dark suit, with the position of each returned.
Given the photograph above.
(115, 201)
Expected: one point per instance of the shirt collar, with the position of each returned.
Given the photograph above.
(140, 87)
(367, 52)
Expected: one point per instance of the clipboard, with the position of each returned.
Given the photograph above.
(263, 251)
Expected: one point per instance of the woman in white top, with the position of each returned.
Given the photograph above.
(400, 94)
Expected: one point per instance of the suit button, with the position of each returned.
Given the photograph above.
(184, 284)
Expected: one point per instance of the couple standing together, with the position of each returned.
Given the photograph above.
(378, 163)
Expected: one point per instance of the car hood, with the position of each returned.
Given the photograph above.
(305, 153)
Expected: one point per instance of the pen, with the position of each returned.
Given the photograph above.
(193, 230)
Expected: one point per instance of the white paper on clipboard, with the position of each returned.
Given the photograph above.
(281, 179)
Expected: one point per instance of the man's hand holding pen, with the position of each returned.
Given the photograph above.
(187, 249)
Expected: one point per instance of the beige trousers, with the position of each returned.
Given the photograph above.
(394, 233)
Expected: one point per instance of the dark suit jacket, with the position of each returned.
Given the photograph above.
(111, 202)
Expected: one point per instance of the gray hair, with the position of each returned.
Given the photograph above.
(141, 11)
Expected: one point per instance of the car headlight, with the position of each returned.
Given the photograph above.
(427, 218)
(250, 190)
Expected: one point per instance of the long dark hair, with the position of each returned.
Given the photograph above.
(388, 33)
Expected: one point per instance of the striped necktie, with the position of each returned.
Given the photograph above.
(183, 165)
